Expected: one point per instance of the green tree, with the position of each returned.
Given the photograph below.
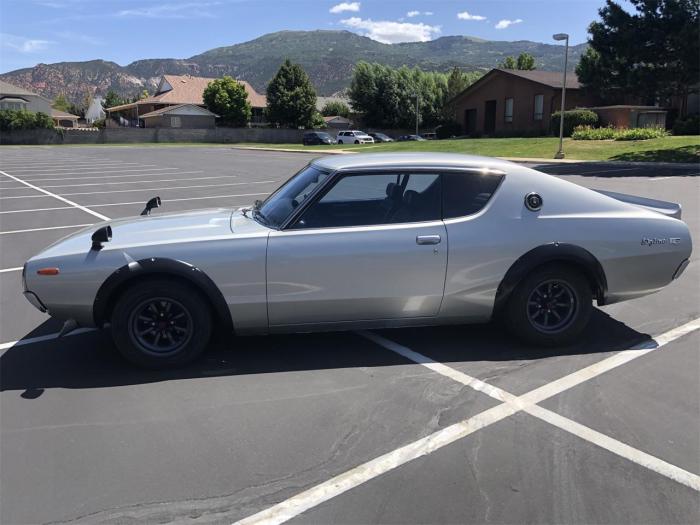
(650, 52)
(61, 103)
(387, 96)
(112, 99)
(291, 99)
(525, 61)
(228, 98)
(335, 107)
(457, 81)
(508, 63)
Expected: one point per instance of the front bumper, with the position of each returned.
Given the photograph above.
(34, 300)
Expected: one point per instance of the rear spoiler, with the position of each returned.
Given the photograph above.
(671, 209)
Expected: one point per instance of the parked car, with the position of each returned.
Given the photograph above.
(361, 241)
(405, 138)
(313, 138)
(381, 137)
(429, 136)
(354, 137)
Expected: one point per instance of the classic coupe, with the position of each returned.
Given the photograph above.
(364, 241)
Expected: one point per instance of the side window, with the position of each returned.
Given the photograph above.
(374, 199)
(509, 110)
(466, 193)
(539, 107)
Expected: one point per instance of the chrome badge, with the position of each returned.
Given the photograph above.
(654, 241)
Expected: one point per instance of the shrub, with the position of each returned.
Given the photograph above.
(448, 130)
(687, 126)
(23, 119)
(589, 133)
(100, 123)
(572, 119)
(641, 134)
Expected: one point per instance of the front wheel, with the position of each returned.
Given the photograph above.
(551, 306)
(357, 142)
(161, 324)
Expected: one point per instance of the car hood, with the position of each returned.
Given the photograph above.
(161, 228)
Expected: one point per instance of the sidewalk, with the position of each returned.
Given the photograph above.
(529, 160)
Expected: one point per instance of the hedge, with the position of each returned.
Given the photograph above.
(22, 119)
(687, 126)
(589, 133)
(572, 119)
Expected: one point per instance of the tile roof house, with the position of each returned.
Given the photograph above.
(514, 102)
(17, 98)
(174, 90)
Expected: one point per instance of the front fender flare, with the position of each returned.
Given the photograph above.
(156, 266)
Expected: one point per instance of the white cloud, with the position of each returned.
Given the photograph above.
(345, 6)
(23, 44)
(186, 10)
(465, 15)
(81, 38)
(411, 14)
(389, 32)
(502, 24)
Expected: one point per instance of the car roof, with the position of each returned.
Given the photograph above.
(382, 160)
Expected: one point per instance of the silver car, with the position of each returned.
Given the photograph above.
(365, 241)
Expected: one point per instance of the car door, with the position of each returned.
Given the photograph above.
(370, 247)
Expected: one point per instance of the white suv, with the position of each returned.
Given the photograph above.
(354, 137)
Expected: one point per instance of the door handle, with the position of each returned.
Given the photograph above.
(428, 239)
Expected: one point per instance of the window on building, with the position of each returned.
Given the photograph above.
(175, 122)
(509, 110)
(539, 107)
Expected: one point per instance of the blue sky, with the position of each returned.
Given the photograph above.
(34, 31)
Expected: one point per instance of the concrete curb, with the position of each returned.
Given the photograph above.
(511, 159)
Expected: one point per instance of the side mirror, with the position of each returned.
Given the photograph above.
(153, 203)
(100, 236)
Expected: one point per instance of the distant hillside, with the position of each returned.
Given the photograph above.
(327, 56)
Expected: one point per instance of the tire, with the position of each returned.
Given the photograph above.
(357, 142)
(184, 317)
(340, 142)
(551, 306)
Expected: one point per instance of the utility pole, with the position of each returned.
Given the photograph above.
(559, 37)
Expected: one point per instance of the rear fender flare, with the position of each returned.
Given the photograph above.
(158, 267)
(551, 253)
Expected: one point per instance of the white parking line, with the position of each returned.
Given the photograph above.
(62, 199)
(47, 228)
(115, 176)
(72, 166)
(15, 269)
(111, 173)
(130, 182)
(42, 338)
(361, 474)
(136, 202)
(146, 189)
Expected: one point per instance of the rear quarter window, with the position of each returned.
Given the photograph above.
(466, 193)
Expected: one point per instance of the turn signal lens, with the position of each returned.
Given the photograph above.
(48, 271)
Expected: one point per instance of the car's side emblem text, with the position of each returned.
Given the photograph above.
(647, 241)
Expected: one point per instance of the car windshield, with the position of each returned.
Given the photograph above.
(323, 135)
(278, 206)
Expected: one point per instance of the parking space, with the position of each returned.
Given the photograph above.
(424, 425)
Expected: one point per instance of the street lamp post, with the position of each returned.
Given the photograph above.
(559, 37)
(417, 111)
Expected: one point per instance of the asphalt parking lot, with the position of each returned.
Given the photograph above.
(456, 424)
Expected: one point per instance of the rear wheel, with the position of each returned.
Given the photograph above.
(161, 324)
(340, 142)
(551, 306)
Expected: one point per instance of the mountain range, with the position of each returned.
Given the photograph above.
(327, 56)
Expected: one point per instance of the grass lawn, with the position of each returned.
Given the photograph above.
(667, 149)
